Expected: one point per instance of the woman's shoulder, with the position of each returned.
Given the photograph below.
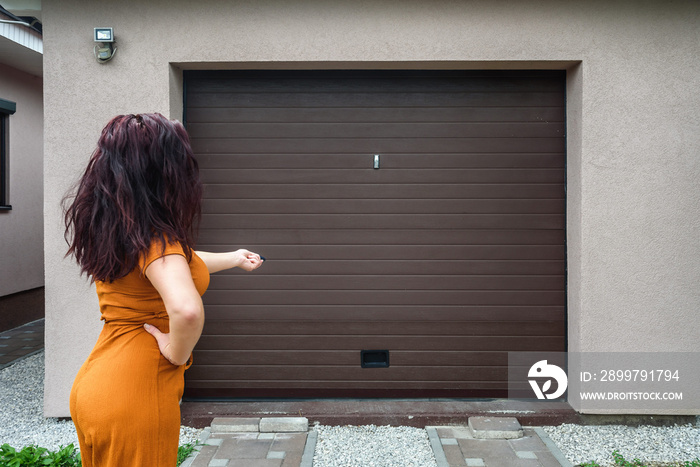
(160, 247)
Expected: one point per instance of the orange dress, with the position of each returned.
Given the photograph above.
(125, 400)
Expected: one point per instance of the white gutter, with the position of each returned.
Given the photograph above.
(18, 33)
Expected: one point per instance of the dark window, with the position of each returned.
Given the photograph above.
(7, 108)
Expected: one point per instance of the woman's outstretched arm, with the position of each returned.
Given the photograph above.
(244, 259)
(171, 277)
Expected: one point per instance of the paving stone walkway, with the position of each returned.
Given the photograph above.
(460, 448)
(251, 450)
(238, 442)
(255, 442)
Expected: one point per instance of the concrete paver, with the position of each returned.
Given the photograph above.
(461, 448)
(495, 427)
(224, 448)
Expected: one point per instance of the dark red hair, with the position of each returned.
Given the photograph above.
(141, 184)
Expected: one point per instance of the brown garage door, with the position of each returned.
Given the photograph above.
(440, 261)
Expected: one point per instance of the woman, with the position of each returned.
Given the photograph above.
(131, 226)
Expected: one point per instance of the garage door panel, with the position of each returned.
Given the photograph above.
(346, 373)
(349, 358)
(279, 357)
(536, 114)
(388, 81)
(385, 282)
(384, 206)
(369, 191)
(450, 255)
(221, 239)
(373, 99)
(226, 390)
(303, 267)
(363, 389)
(403, 176)
(377, 130)
(424, 313)
(386, 297)
(372, 146)
(403, 327)
(416, 253)
(412, 343)
(383, 221)
(402, 161)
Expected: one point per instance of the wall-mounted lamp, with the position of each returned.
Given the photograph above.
(104, 51)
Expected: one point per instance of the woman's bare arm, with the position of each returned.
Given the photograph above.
(171, 277)
(244, 259)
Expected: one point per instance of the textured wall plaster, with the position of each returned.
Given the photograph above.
(633, 129)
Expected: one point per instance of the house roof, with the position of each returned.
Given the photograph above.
(21, 43)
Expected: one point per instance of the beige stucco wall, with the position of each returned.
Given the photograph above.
(633, 129)
(22, 228)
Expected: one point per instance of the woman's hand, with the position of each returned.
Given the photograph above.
(163, 341)
(247, 260)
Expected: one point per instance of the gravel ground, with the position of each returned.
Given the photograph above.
(372, 446)
(22, 422)
(383, 446)
(653, 445)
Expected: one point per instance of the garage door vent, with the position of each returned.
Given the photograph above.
(374, 358)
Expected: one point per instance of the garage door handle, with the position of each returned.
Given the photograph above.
(376, 161)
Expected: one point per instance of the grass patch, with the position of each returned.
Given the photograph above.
(35, 456)
(184, 451)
